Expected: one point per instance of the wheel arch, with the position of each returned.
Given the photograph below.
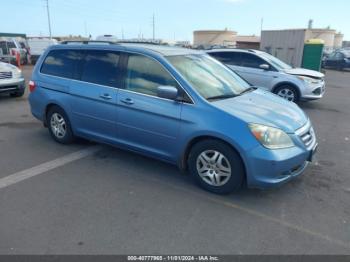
(287, 83)
(47, 109)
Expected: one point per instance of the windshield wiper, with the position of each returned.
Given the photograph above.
(249, 89)
(220, 97)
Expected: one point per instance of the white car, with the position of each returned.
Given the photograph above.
(11, 80)
(110, 38)
(38, 46)
(268, 72)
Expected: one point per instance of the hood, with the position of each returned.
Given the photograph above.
(265, 108)
(6, 67)
(304, 72)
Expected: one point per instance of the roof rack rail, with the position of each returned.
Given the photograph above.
(86, 42)
(139, 42)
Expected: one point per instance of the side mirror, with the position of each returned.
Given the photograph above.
(168, 92)
(265, 66)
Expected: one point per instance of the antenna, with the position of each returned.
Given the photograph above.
(310, 24)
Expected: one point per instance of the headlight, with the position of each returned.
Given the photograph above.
(309, 80)
(17, 73)
(270, 137)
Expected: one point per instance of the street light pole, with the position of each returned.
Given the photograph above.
(48, 17)
(153, 26)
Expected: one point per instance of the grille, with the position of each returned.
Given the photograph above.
(308, 137)
(5, 75)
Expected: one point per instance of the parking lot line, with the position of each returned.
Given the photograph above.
(47, 166)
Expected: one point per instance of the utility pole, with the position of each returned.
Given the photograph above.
(153, 26)
(85, 29)
(261, 25)
(48, 17)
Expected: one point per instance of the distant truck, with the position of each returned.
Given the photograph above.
(38, 46)
(9, 47)
(110, 38)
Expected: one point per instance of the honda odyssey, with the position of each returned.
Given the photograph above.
(177, 105)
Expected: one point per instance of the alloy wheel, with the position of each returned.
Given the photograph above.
(213, 168)
(58, 125)
(287, 94)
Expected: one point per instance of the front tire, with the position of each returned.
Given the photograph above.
(216, 167)
(59, 126)
(288, 92)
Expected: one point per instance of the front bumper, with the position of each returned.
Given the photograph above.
(12, 85)
(314, 92)
(270, 168)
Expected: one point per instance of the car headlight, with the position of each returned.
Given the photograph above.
(17, 73)
(271, 137)
(309, 80)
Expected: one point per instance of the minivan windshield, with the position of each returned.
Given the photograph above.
(280, 65)
(209, 77)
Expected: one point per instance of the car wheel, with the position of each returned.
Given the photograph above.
(17, 94)
(216, 167)
(287, 92)
(59, 126)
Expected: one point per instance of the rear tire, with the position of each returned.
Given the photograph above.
(216, 167)
(59, 126)
(287, 92)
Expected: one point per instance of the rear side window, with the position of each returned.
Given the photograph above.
(61, 63)
(101, 67)
(145, 75)
(11, 45)
(3, 47)
(229, 58)
(339, 56)
(249, 60)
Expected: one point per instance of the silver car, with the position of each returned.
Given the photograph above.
(268, 72)
(11, 80)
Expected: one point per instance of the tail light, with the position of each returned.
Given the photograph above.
(31, 86)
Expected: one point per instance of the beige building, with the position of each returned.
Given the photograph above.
(332, 39)
(338, 40)
(208, 38)
(247, 41)
(288, 45)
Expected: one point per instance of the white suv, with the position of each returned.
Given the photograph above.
(11, 80)
(268, 72)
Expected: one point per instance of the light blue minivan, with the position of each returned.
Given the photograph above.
(177, 105)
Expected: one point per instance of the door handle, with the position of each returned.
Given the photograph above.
(127, 101)
(106, 96)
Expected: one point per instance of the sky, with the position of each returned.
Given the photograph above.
(176, 19)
